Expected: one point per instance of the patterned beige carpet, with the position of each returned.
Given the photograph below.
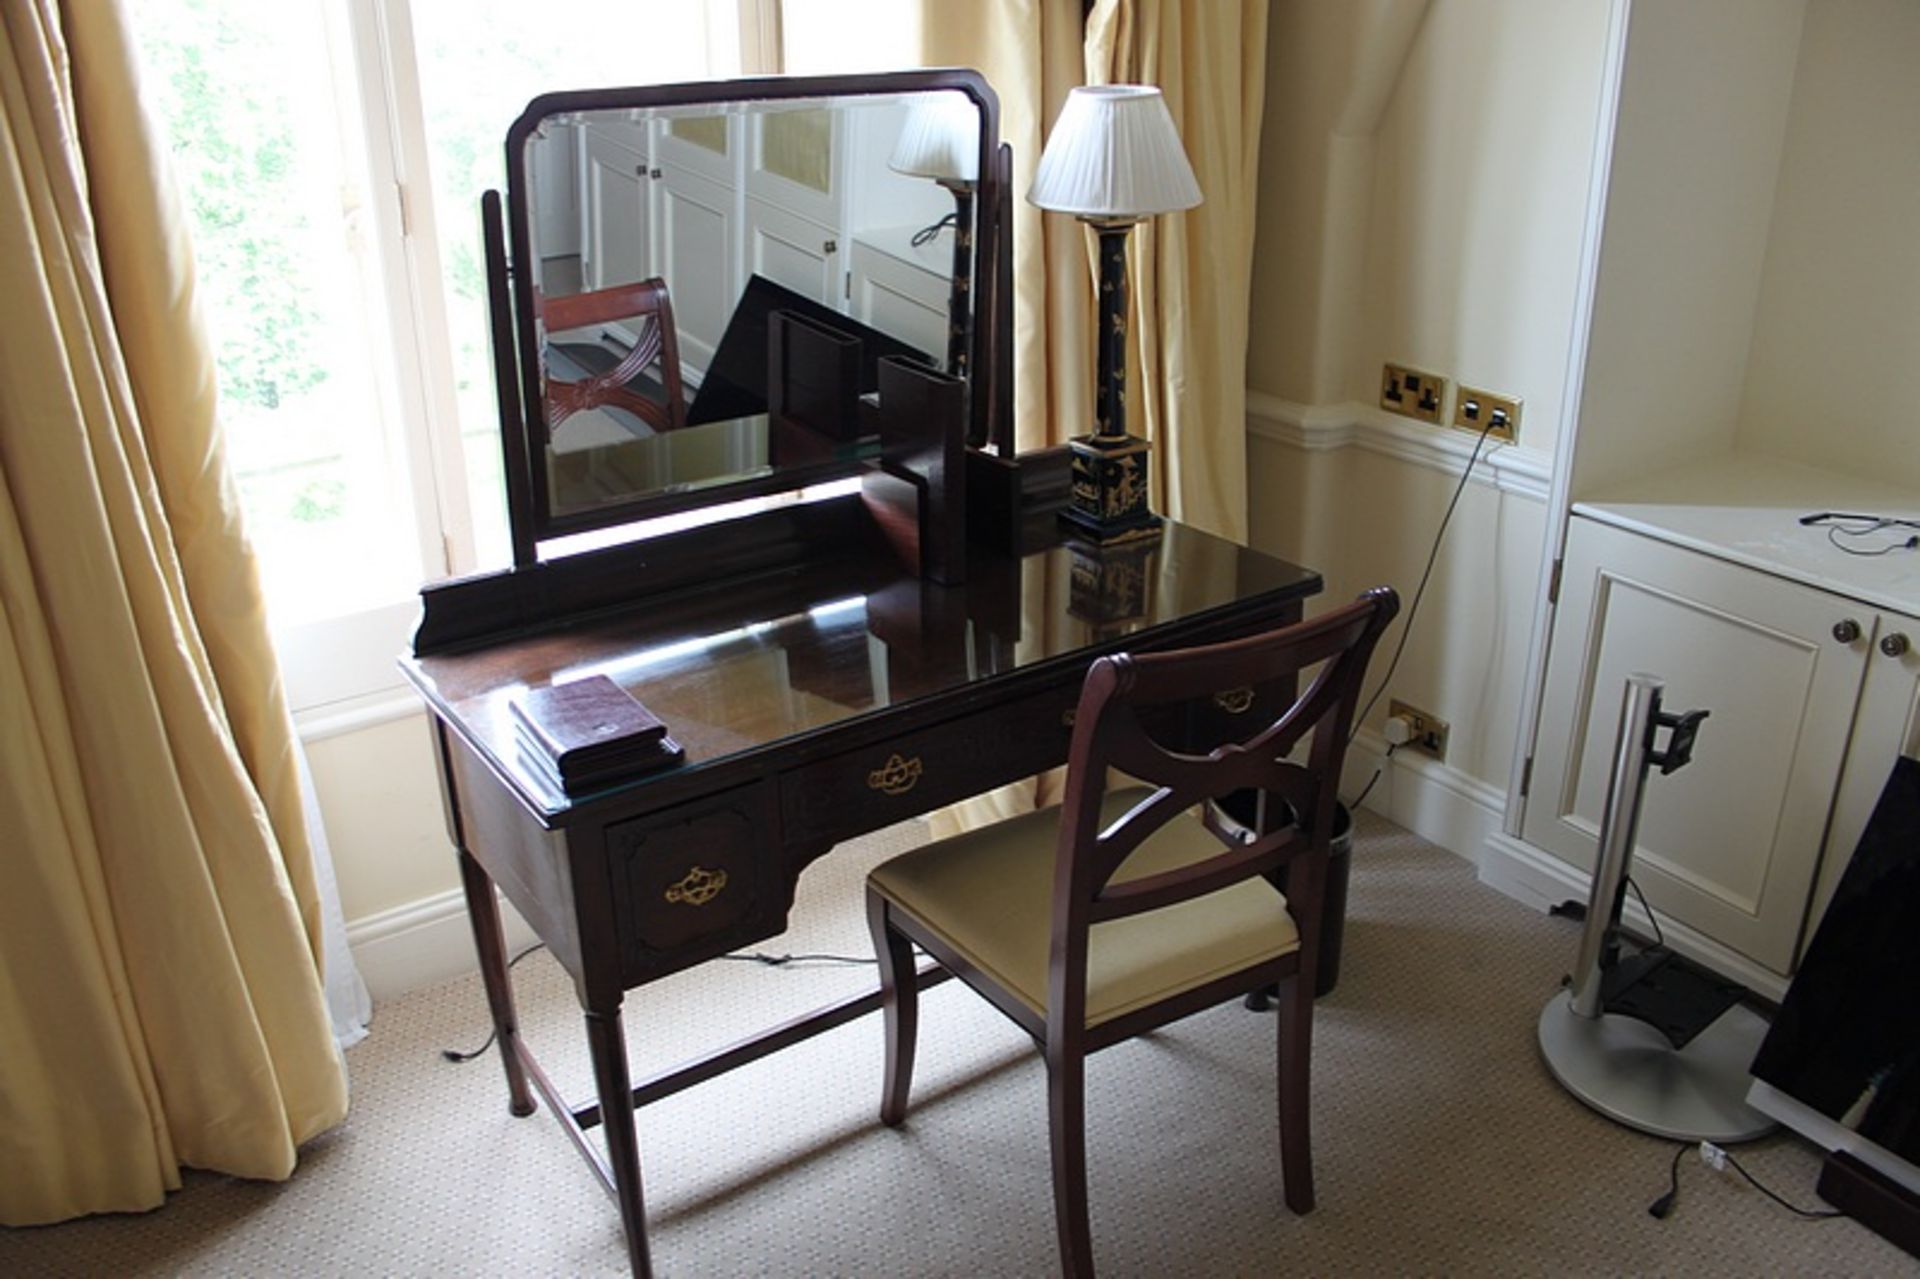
(1441, 1144)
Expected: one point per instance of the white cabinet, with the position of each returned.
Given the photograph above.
(616, 235)
(696, 252)
(903, 288)
(794, 252)
(1730, 846)
(1886, 726)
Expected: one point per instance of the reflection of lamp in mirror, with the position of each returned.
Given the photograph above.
(941, 140)
(1114, 159)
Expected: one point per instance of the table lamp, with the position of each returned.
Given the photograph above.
(1114, 159)
(941, 140)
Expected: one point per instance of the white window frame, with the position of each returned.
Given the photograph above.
(341, 672)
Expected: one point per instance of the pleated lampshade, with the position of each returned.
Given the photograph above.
(940, 139)
(1114, 153)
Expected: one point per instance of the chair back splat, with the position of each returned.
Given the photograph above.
(1122, 911)
(1109, 735)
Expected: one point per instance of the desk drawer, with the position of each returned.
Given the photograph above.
(690, 882)
(893, 780)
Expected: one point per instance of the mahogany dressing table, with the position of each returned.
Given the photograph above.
(830, 667)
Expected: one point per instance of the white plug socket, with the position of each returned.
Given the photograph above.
(1398, 730)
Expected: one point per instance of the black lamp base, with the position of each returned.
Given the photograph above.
(1108, 499)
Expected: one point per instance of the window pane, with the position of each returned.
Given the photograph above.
(481, 61)
(246, 97)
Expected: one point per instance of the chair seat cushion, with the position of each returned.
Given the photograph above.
(988, 894)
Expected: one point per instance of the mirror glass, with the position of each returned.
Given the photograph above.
(713, 284)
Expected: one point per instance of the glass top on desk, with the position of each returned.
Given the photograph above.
(735, 668)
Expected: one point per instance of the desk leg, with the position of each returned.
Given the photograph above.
(609, 1047)
(483, 910)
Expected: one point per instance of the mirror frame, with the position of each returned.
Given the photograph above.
(525, 439)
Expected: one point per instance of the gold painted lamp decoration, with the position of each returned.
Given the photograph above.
(940, 139)
(1114, 159)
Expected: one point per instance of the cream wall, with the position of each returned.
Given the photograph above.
(1457, 250)
(379, 796)
(1838, 324)
(1704, 99)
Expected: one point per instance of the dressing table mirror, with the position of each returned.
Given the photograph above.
(695, 287)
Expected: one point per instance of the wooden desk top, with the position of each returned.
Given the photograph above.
(741, 661)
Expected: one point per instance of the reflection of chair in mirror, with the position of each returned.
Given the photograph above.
(1124, 910)
(630, 364)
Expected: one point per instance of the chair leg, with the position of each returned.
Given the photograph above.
(1296, 1060)
(1067, 1114)
(900, 1005)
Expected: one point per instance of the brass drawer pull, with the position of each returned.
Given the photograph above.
(896, 777)
(699, 887)
(1234, 701)
(1068, 716)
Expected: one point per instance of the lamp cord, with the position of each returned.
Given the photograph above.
(1426, 575)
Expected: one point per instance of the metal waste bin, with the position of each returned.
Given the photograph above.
(1241, 808)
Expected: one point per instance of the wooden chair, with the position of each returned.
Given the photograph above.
(646, 310)
(1124, 910)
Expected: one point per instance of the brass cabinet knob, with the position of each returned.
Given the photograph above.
(1895, 645)
(1846, 630)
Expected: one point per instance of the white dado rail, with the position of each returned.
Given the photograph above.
(1318, 428)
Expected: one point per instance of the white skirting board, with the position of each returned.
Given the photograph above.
(1462, 814)
(1527, 874)
(424, 942)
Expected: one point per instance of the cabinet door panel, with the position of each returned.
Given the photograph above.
(698, 224)
(1729, 845)
(793, 252)
(1886, 726)
(616, 248)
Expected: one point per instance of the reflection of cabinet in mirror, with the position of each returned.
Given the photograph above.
(901, 287)
(705, 201)
(736, 204)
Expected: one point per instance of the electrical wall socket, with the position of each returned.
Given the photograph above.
(1474, 409)
(1429, 731)
(1411, 393)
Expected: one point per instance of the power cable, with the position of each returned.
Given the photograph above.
(1413, 610)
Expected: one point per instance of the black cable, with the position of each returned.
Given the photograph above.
(781, 961)
(1354, 803)
(1841, 524)
(1834, 535)
(454, 1054)
(926, 233)
(1810, 1214)
(1659, 938)
(1419, 591)
(1660, 1207)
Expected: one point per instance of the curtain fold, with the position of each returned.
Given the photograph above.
(160, 963)
(1191, 273)
(1030, 52)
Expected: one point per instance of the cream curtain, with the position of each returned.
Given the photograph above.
(160, 992)
(1191, 273)
(1030, 51)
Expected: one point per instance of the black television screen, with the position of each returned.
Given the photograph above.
(1847, 1040)
(735, 383)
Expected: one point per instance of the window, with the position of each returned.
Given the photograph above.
(331, 156)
